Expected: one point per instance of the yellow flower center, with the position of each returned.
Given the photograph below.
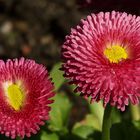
(115, 53)
(15, 96)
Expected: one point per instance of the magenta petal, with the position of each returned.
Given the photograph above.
(38, 90)
(87, 67)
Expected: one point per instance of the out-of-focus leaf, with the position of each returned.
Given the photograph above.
(126, 131)
(137, 124)
(59, 113)
(115, 116)
(87, 129)
(70, 136)
(57, 76)
(91, 121)
(46, 136)
(83, 131)
(98, 110)
(135, 112)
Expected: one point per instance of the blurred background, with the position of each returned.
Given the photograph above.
(36, 29)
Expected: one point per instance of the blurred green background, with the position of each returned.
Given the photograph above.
(36, 29)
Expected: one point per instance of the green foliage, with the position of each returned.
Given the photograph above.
(88, 128)
(115, 116)
(97, 110)
(83, 131)
(47, 136)
(90, 121)
(59, 113)
(57, 76)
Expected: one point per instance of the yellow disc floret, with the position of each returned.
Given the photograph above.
(115, 53)
(15, 96)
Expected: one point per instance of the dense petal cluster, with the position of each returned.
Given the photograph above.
(25, 92)
(102, 57)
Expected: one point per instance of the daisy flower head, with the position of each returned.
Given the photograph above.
(102, 57)
(25, 92)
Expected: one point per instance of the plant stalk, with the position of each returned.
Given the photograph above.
(106, 123)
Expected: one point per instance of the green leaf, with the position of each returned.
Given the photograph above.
(88, 129)
(60, 113)
(98, 110)
(47, 136)
(136, 124)
(115, 116)
(83, 131)
(57, 76)
(70, 136)
(91, 121)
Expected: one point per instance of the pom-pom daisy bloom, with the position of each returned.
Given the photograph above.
(25, 90)
(102, 57)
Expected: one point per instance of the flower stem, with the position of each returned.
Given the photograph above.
(106, 123)
(135, 112)
(18, 138)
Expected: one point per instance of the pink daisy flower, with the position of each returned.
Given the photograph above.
(25, 91)
(102, 57)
